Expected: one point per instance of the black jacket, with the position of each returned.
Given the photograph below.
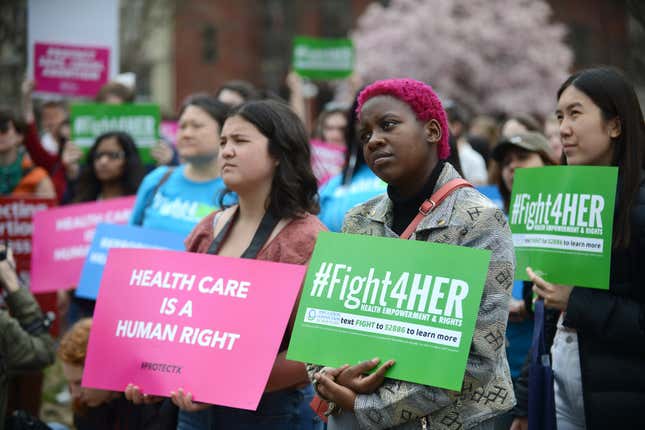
(120, 414)
(611, 336)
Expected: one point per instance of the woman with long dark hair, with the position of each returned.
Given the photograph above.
(598, 343)
(264, 158)
(113, 169)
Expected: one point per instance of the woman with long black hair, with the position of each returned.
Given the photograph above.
(598, 344)
(114, 169)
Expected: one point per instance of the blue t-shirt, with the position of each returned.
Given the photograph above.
(179, 203)
(337, 199)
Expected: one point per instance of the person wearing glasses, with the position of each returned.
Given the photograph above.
(114, 169)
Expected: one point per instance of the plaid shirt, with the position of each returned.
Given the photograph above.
(464, 218)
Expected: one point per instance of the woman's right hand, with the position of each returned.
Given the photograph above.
(520, 423)
(26, 91)
(8, 275)
(133, 393)
(184, 401)
(294, 82)
(71, 158)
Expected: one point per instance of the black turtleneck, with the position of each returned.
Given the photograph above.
(405, 209)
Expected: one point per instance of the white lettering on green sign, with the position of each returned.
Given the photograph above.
(136, 125)
(563, 212)
(418, 292)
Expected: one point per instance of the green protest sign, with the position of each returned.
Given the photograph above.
(412, 301)
(317, 58)
(141, 121)
(562, 220)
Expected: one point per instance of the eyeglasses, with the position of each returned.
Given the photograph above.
(111, 155)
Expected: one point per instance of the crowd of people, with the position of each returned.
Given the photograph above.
(252, 176)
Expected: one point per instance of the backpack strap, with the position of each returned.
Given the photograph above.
(150, 198)
(260, 237)
(431, 203)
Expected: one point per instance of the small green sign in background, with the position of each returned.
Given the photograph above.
(562, 221)
(412, 301)
(141, 121)
(322, 59)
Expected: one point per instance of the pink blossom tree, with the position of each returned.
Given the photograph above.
(489, 55)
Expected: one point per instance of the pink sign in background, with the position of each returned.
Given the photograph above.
(229, 374)
(62, 237)
(169, 130)
(70, 70)
(327, 160)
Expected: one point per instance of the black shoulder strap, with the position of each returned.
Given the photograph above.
(260, 237)
(151, 196)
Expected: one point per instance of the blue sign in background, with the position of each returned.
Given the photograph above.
(119, 236)
(492, 192)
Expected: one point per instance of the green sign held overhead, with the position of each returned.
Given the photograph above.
(141, 121)
(562, 221)
(323, 59)
(411, 301)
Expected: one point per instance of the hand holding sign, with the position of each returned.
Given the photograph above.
(8, 275)
(133, 393)
(71, 159)
(554, 295)
(184, 401)
(161, 153)
(356, 378)
(334, 392)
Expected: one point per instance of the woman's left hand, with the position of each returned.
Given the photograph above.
(184, 401)
(133, 393)
(357, 378)
(554, 295)
(162, 153)
(333, 392)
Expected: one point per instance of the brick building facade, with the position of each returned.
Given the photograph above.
(219, 40)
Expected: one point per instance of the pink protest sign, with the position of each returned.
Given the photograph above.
(62, 236)
(16, 217)
(210, 325)
(71, 70)
(327, 160)
(169, 130)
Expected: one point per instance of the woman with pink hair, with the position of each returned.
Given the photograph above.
(404, 135)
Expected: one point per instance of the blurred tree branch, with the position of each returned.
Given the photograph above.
(13, 49)
(139, 19)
